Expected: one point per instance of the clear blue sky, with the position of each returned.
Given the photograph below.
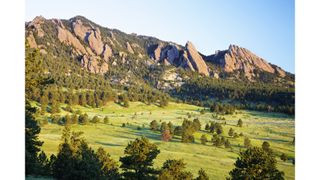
(266, 27)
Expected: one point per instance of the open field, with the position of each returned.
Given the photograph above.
(277, 129)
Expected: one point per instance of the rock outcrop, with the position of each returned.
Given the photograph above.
(237, 58)
(94, 49)
(67, 37)
(187, 58)
(107, 52)
(36, 24)
(169, 54)
(196, 60)
(31, 41)
(90, 35)
(93, 64)
(129, 48)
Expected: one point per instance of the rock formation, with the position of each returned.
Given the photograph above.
(196, 60)
(129, 48)
(66, 36)
(94, 46)
(238, 58)
(187, 58)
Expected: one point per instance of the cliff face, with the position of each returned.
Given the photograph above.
(186, 57)
(240, 59)
(95, 46)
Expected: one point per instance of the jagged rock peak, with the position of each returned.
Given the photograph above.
(196, 60)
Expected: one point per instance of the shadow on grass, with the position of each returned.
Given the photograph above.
(269, 115)
(274, 140)
(107, 144)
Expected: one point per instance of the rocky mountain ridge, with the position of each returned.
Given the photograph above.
(95, 47)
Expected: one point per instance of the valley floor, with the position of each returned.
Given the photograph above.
(277, 129)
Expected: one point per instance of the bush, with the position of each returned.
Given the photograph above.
(284, 157)
(203, 139)
(106, 120)
(95, 119)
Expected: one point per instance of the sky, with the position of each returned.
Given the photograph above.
(266, 27)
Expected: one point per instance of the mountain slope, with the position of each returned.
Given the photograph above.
(94, 46)
(81, 54)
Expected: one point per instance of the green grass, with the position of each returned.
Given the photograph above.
(277, 129)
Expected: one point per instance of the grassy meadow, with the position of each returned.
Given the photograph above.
(277, 129)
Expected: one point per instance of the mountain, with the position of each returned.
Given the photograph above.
(81, 54)
(93, 46)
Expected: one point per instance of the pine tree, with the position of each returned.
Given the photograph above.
(284, 157)
(74, 119)
(95, 119)
(207, 127)
(106, 120)
(171, 128)
(255, 163)
(227, 144)
(109, 166)
(240, 123)
(202, 175)
(32, 141)
(154, 125)
(196, 124)
(67, 120)
(83, 119)
(44, 103)
(247, 142)
(203, 139)
(164, 126)
(231, 132)
(138, 160)
(174, 169)
(187, 131)
(55, 107)
(266, 146)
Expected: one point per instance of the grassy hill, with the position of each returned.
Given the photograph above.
(277, 129)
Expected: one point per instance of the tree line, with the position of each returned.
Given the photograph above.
(256, 96)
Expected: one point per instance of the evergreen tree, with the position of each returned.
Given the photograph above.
(255, 163)
(266, 146)
(154, 125)
(83, 119)
(247, 142)
(95, 119)
(171, 128)
(76, 160)
(227, 144)
(231, 132)
(219, 128)
(32, 141)
(137, 164)
(207, 127)
(74, 119)
(67, 120)
(177, 131)
(240, 123)
(106, 120)
(203, 139)
(187, 131)
(164, 126)
(55, 107)
(109, 166)
(44, 103)
(284, 157)
(196, 124)
(174, 169)
(202, 175)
